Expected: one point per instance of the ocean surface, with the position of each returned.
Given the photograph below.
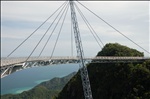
(28, 78)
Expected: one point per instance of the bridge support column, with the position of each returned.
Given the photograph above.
(80, 54)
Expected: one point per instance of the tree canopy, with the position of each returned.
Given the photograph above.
(113, 80)
(115, 49)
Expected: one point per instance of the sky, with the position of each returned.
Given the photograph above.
(20, 18)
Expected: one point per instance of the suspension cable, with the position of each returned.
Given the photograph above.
(114, 28)
(42, 37)
(89, 26)
(51, 33)
(89, 29)
(34, 31)
(60, 30)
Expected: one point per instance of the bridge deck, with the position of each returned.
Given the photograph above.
(17, 60)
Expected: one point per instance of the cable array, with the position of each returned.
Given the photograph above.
(90, 28)
(35, 31)
(60, 28)
(46, 33)
(62, 10)
(114, 28)
(52, 30)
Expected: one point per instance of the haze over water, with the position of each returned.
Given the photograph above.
(26, 79)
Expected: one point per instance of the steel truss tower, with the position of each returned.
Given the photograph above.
(80, 54)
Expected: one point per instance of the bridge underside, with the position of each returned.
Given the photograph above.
(8, 69)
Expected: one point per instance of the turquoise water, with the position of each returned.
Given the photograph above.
(26, 79)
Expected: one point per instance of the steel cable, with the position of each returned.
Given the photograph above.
(90, 27)
(114, 28)
(34, 31)
(43, 36)
(60, 29)
(50, 34)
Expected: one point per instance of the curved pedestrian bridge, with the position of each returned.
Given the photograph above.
(13, 64)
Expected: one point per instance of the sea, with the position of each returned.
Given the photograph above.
(28, 78)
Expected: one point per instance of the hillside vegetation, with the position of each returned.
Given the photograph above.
(113, 80)
(45, 90)
(115, 49)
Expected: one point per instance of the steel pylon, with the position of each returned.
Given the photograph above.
(80, 54)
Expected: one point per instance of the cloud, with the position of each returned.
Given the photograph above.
(21, 18)
(30, 11)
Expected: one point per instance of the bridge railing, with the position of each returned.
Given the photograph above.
(15, 60)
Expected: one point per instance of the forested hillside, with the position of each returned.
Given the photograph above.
(45, 90)
(113, 80)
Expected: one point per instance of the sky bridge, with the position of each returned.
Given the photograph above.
(10, 64)
(17, 60)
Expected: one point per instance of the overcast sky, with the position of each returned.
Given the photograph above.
(20, 18)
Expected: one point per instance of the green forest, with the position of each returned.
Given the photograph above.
(113, 80)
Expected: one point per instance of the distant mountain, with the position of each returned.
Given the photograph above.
(113, 80)
(45, 90)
